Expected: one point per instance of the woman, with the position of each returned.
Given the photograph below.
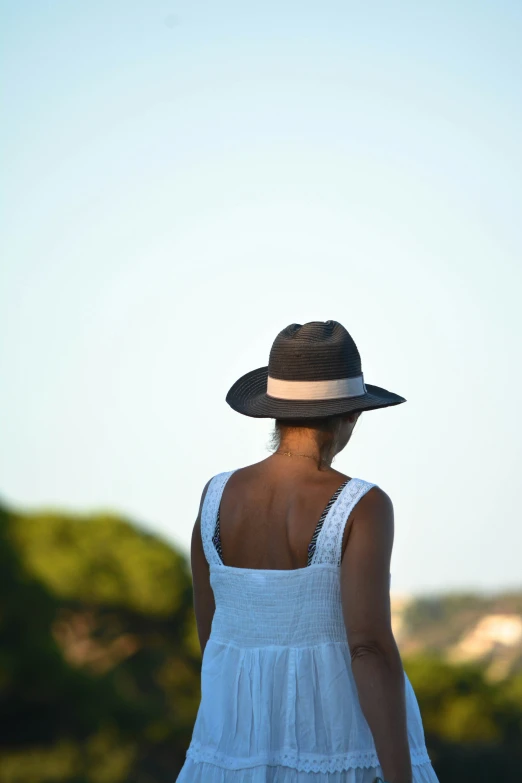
(301, 679)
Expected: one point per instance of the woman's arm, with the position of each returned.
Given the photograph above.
(376, 662)
(203, 595)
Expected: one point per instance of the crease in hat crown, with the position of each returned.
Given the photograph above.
(315, 361)
(314, 370)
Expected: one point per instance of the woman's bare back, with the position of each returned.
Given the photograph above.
(269, 512)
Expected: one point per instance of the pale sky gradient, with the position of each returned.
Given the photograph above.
(180, 181)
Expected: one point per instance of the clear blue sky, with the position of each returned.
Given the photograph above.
(182, 180)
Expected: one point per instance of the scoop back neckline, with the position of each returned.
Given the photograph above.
(279, 571)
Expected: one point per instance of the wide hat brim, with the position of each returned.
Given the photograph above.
(248, 396)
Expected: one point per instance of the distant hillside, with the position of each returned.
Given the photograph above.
(463, 628)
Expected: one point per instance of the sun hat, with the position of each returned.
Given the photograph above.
(314, 370)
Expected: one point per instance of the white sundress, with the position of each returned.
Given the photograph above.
(279, 703)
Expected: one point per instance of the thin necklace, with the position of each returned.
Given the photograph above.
(294, 454)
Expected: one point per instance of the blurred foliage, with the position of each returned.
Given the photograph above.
(473, 727)
(100, 662)
(460, 705)
(99, 656)
(103, 560)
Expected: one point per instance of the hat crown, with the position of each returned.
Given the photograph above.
(315, 351)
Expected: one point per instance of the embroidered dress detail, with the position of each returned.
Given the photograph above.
(342, 763)
(313, 542)
(210, 509)
(279, 702)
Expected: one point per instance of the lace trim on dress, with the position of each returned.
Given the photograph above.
(313, 543)
(302, 762)
(209, 513)
(330, 539)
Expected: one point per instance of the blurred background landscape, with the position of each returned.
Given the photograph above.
(180, 181)
(100, 661)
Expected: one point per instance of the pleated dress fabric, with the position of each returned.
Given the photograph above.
(279, 702)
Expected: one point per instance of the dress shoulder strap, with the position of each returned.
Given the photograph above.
(313, 542)
(209, 514)
(330, 539)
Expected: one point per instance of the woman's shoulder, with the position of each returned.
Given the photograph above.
(375, 497)
(374, 503)
(214, 484)
(374, 494)
(372, 515)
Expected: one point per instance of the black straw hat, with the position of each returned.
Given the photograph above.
(314, 370)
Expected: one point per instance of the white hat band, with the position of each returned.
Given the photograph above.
(315, 390)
